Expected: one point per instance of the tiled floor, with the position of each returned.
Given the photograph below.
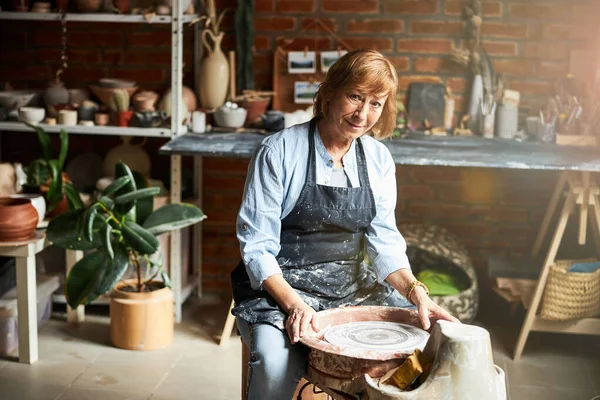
(80, 364)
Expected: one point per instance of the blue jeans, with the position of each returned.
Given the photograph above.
(276, 365)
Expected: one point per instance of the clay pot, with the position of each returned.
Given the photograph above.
(60, 207)
(122, 118)
(18, 219)
(144, 101)
(255, 108)
(131, 154)
(141, 321)
(89, 5)
(121, 5)
(56, 94)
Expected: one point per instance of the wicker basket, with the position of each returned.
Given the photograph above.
(570, 295)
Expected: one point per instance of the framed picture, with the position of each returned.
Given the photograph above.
(328, 58)
(302, 62)
(304, 92)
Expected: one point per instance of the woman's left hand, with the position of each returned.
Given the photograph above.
(428, 310)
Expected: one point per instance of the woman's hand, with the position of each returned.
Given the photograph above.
(301, 321)
(428, 310)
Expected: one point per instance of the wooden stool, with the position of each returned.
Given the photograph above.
(307, 393)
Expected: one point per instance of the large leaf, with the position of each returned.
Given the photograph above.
(173, 216)
(106, 242)
(73, 197)
(145, 206)
(64, 147)
(44, 139)
(138, 194)
(139, 238)
(63, 231)
(83, 277)
(116, 185)
(114, 270)
(55, 193)
(121, 169)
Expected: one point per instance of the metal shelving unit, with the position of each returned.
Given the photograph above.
(177, 20)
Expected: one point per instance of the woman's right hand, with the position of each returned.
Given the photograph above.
(301, 321)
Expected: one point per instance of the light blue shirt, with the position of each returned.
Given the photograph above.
(276, 176)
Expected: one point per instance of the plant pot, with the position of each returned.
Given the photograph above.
(121, 5)
(60, 207)
(141, 321)
(122, 118)
(18, 219)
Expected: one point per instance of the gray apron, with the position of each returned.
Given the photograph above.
(321, 256)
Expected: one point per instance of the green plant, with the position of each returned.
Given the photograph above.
(117, 235)
(47, 172)
(120, 101)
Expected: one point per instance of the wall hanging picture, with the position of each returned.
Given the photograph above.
(304, 92)
(328, 58)
(302, 62)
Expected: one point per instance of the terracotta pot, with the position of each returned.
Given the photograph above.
(214, 73)
(122, 118)
(122, 5)
(18, 219)
(60, 207)
(89, 5)
(62, 5)
(255, 108)
(141, 321)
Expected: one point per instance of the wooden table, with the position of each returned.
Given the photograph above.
(24, 253)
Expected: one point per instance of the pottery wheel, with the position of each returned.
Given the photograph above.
(377, 335)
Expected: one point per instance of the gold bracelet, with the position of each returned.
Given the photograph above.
(412, 287)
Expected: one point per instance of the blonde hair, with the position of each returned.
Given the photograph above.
(368, 71)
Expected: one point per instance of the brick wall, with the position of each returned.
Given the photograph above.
(491, 211)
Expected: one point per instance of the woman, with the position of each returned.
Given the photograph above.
(316, 195)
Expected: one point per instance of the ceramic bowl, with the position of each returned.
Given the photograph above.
(110, 83)
(38, 202)
(229, 117)
(15, 99)
(104, 94)
(18, 219)
(33, 115)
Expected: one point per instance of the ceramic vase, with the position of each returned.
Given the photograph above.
(55, 95)
(214, 73)
(475, 102)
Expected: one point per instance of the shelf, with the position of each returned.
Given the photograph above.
(90, 130)
(92, 17)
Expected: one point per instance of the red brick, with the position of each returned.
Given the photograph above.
(350, 6)
(489, 8)
(408, 7)
(375, 26)
(150, 38)
(84, 74)
(403, 174)
(437, 174)
(551, 69)
(457, 84)
(425, 45)
(516, 231)
(497, 48)
(531, 88)
(44, 38)
(141, 75)
(323, 25)
(416, 192)
(588, 12)
(514, 67)
(229, 165)
(221, 181)
(12, 38)
(296, 6)
(112, 56)
(405, 80)
(152, 57)
(570, 32)
(539, 11)
(378, 43)
(466, 229)
(302, 42)
(274, 23)
(503, 30)
(25, 72)
(435, 65)
(449, 193)
(446, 28)
(401, 63)
(95, 39)
(262, 42)
(264, 6)
(546, 50)
(437, 210)
(16, 55)
(263, 61)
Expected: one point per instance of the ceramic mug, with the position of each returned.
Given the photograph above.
(67, 117)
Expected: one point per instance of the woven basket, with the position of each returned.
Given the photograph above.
(570, 295)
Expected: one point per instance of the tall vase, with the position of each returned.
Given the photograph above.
(214, 73)
(475, 103)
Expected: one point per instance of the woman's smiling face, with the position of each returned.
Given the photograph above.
(353, 113)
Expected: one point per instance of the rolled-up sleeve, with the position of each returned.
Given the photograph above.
(385, 245)
(259, 219)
